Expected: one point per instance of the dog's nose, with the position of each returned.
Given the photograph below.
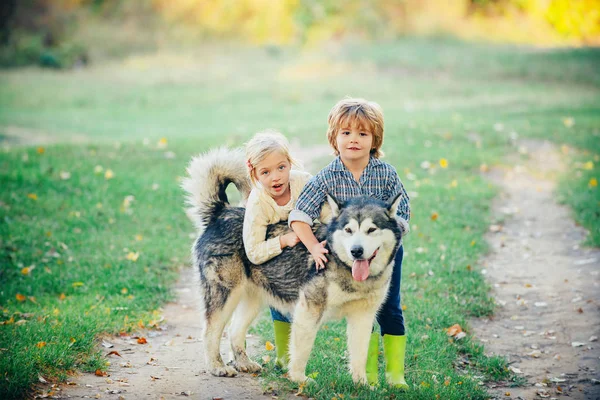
(357, 251)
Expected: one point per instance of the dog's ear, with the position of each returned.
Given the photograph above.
(393, 205)
(334, 204)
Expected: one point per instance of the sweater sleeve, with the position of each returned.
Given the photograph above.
(258, 248)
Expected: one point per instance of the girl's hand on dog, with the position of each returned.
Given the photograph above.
(318, 251)
(288, 240)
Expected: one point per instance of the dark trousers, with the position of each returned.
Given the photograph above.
(389, 317)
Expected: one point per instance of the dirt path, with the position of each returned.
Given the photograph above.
(546, 283)
(171, 364)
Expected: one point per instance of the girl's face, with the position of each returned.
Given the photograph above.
(273, 173)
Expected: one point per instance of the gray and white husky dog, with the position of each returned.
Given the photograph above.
(362, 238)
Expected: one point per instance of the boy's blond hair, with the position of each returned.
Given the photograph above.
(264, 143)
(350, 111)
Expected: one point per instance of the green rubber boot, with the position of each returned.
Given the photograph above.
(282, 342)
(373, 360)
(394, 349)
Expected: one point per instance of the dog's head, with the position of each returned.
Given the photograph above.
(364, 234)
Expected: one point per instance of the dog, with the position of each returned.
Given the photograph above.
(362, 239)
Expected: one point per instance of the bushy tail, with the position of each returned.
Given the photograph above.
(208, 177)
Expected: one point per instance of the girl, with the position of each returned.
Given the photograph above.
(275, 190)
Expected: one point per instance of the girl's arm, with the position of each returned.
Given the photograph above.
(258, 248)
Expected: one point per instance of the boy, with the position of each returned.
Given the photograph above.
(356, 135)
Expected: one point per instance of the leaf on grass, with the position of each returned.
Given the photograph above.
(77, 284)
(139, 237)
(27, 270)
(39, 345)
(269, 346)
(434, 216)
(124, 290)
(41, 150)
(484, 168)
(99, 372)
(443, 163)
(568, 122)
(162, 143)
(593, 182)
(454, 330)
(32, 196)
(62, 296)
(114, 353)
(131, 256)
(20, 297)
(142, 340)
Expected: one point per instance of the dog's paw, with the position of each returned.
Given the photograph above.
(360, 379)
(247, 366)
(224, 370)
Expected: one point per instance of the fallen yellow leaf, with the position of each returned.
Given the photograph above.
(124, 290)
(568, 122)
(62, 296)
(20, 297)
(32, 196)
(77, 284)
(593, 182)
(434, 216)
(269, 346)
(454, 330)
(132, 256)
(139, 237)
(27, 270)
(41, 150)
(40, 344)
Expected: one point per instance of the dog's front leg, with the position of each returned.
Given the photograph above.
(359, 327)
(307, 318)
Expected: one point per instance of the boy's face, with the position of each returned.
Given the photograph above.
(354, 142)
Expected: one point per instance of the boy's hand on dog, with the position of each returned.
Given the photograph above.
(288, 240)
(318, 251)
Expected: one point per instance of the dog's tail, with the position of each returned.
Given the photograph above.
(209, 174)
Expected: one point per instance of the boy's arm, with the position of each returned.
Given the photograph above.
(403, 214)
(301, 219)
(317, 249)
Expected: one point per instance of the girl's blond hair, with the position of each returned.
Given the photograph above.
(366, 114)
(261, 145)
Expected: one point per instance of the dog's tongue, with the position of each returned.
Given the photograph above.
(360, 270)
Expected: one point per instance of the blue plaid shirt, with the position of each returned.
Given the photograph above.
(379, 180)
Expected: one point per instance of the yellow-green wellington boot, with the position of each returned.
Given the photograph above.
(373, 360)
(394, 349)
(282, 342)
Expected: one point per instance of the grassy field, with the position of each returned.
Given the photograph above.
(93, 232)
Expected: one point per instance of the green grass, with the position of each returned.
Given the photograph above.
(441, 98)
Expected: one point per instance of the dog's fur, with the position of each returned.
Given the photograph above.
(232, 285)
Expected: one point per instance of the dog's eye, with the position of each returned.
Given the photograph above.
(371, 230)
(348, 230)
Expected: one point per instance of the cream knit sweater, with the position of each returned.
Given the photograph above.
(261, 211)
